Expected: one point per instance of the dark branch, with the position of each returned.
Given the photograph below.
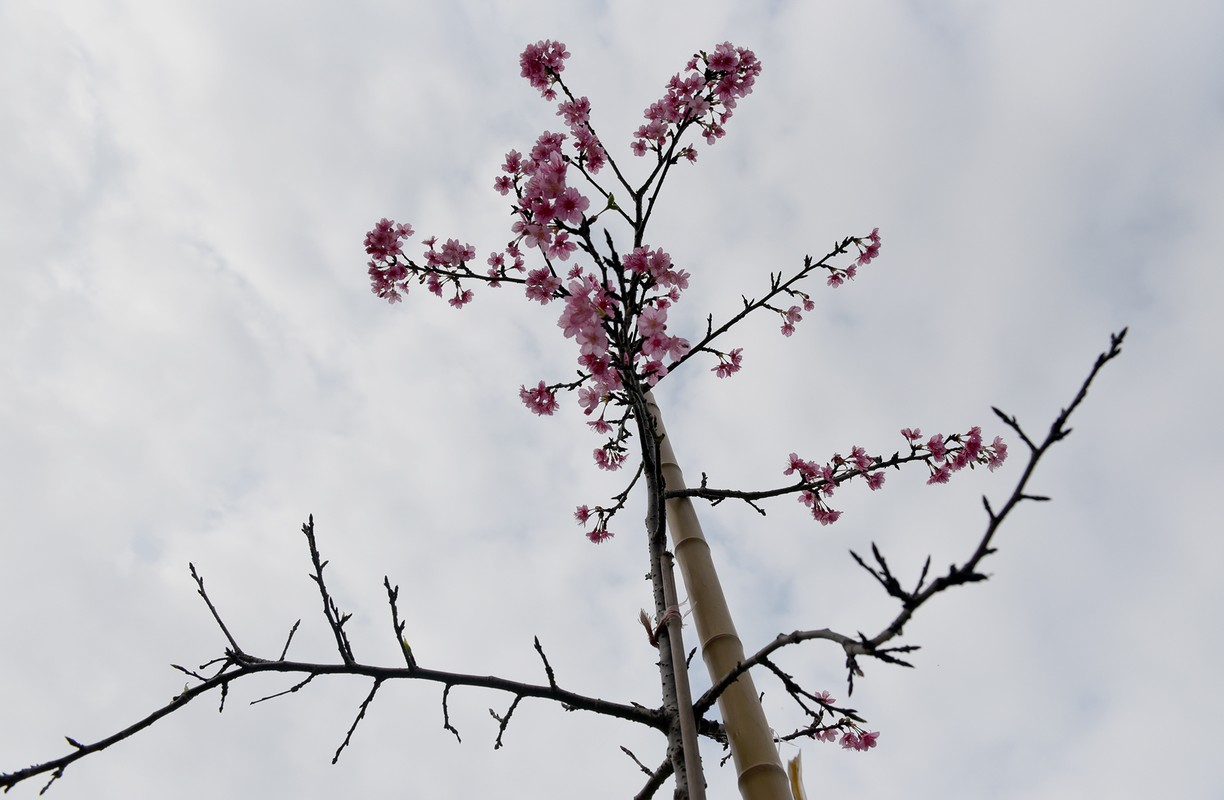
(956, 575)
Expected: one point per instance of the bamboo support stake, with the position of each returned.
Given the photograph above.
(757, 765)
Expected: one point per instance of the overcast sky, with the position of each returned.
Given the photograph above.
(191, 363)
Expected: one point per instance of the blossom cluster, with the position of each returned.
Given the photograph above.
(599, 532)
(948, 454)
(706, 96)
(548, 209)
(824, 479)
(390, 276)
(943, 455)
(867, 253)
(850, 740)
(868, 249)
(597, 313)
(852, 736)
(541, 64)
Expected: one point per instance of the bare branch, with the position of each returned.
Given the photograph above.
(334, 619)
(348, 737)
(956, 575)
(548, 670)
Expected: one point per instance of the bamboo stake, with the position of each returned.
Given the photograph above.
(757, 765)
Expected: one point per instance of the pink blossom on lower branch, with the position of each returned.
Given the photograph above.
(948, 454)
(383, 241)
(609, 458)
(998, 454)
(600, 532)
(541, 400)
(728, 363)
(825, 515)
(940, 474)
(859, 741)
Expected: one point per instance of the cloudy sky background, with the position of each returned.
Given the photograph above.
(191, 362)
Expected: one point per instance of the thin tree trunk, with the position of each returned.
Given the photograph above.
(684, 696)
(757, 765)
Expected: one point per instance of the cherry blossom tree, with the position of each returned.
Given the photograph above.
(579, 243)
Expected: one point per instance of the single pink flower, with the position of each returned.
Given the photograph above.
(941, 474)
(860, 458)
(998, 454)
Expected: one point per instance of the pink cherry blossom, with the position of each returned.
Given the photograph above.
(998, 454)
(860, 458)
(790, 317)
(940, 474)
(807, 470)
(589, 398)
(871, 250)
(542, 285)
(652, 321)
(729, 363)
(575, 112)
(859, 741)
(825, 515)
(600, 533)
(541, 63)
(383, 241)
(541, 400)
(608, 458)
